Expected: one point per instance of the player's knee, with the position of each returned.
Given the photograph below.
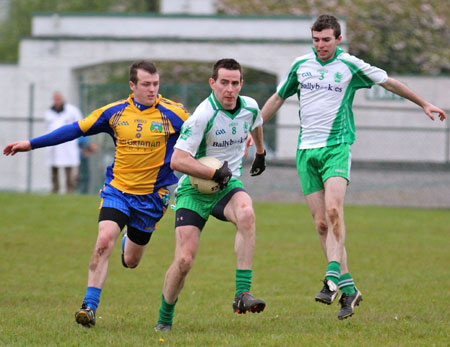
(322, 227)
(185, 263)
(104, 244)
(245, 218)
(334, 214)
(131, 262)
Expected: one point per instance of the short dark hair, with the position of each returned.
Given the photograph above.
(327, 21)
(229, 64)
(145, 65)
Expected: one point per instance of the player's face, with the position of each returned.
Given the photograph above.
(147, 87)
(325, 43)
(227, 87)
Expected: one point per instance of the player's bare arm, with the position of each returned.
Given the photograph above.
(271, 107)
(401, 89)
(13, 148)
(257, 135)
(183, 161)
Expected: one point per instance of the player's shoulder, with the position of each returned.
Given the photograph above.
(110, 109)
(176, 107)
(249, 102)
(302, 59)
(115, 106)
(347, 57)
(206, 108)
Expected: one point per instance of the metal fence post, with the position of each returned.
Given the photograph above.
(30, 135)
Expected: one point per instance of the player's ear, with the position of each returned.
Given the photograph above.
(212, 82)
(132, 86)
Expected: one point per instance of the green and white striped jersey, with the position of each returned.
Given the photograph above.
(212, 131)
(325, 92)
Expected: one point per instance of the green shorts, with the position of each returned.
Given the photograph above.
(186, 196)
(316, 165)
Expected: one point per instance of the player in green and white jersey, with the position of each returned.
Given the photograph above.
(325, 82)
(219, 127)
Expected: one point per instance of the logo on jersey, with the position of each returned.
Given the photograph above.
(230, 142)
(166, 199)
(306, 74)
(186, 132)
(122, 123)
(317, 86)
(221, 132)
(245, 128)
(338, 77)
(156, 127)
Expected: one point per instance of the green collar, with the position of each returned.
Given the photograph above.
(217, 106)
(323, 63)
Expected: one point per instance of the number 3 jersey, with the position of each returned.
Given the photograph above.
(214, 132)
(325, 91)
(144, 142)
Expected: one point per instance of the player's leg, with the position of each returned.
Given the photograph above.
(108, 231)
(114, 215)
(188, 226)
(239, 211)
(335, 188)
(134, 243)
(316, 205)
(145, 213)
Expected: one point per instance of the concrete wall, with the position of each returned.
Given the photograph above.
(188, 6)
(51, 58)
(173, 26)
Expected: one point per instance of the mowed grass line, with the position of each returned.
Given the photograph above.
(399, 259)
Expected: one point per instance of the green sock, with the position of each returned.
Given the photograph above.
(333, 272)
(243, 281)
(346, 284)
(166, 311)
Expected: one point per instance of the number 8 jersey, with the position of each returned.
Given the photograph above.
(215, 132)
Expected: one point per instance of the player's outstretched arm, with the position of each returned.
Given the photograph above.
(13, 148)
(401, 89)
(271, 107)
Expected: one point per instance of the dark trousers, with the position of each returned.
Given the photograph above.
(71, 179)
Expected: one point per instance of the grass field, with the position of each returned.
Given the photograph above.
(399, 258)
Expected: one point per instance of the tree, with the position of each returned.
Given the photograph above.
(402, 36)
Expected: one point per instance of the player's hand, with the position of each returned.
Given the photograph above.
(13, 148)
(223, 175)
(429, 109)
(259, 164)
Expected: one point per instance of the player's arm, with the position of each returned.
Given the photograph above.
(63, 134)
(183, 161)
(271, 107)
(401, 89)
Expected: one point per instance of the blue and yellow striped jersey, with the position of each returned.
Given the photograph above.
(144, 142)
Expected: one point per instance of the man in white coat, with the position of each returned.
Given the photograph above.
(65, 155)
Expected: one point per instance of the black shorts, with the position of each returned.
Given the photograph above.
(137, 236)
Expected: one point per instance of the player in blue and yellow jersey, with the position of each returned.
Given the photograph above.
(144, 128)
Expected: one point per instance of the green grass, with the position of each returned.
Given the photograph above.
(400, 259)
